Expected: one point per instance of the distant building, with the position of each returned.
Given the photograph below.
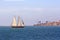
(48, 23)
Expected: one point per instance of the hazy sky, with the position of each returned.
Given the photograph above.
(31, 11)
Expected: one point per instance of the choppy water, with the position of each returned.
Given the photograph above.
(30, 33)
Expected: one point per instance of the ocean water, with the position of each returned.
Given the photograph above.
(30, 33)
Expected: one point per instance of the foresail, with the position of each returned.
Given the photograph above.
(14, 21)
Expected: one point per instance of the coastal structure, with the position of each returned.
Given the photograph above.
(20, 23)
(54, 23)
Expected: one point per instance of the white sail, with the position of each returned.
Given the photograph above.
(14, 21)
(20, 23)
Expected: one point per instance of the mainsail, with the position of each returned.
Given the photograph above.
(20, 23)
(14, 21)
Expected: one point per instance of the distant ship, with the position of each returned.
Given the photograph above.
(20, 23)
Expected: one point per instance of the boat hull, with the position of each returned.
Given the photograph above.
(17, 26)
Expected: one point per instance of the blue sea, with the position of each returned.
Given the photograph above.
(30, 33)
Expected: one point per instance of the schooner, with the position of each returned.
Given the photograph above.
(20, 23)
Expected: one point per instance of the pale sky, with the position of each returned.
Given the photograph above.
(31, 11)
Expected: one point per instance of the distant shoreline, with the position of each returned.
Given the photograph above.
(54, 23)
